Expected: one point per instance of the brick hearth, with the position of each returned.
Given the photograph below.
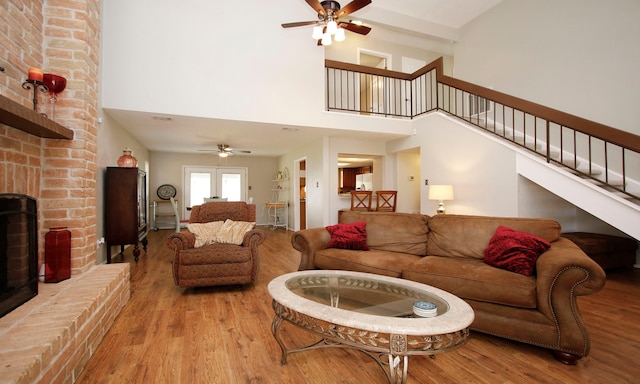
(51, 338)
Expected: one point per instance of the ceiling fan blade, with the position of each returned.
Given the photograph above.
(298, 24)
(361, 29)
(315, 4)
(240, 151)
(352, 7)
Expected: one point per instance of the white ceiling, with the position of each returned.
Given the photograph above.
(434, 19)
(450, 13)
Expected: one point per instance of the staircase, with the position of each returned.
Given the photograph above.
(598, 164)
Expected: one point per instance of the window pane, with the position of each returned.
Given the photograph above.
(200, 187)
(231, 186)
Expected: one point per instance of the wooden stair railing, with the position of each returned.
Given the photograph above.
(608, 156)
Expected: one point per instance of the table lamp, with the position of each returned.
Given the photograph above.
(441, 193)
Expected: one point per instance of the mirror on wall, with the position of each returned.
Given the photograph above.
(355, 172)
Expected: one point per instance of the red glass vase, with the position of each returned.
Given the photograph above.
(57, 255)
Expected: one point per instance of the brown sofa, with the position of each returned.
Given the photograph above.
(217, 263)
(446, 251)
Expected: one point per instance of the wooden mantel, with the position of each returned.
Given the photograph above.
(27, 120)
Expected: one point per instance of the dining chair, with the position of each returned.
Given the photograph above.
(386, 201)
(361, 200)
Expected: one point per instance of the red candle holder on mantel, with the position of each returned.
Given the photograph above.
(34, 81)
(55, 84)
(127, 160)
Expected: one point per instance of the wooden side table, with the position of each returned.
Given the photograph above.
(607, 250)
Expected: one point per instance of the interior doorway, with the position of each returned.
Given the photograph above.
(408, 180)
(300, 194)
(374, 89)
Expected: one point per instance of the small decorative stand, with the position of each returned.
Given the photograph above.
(35, 85)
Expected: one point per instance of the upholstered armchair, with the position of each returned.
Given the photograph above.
(217, 263)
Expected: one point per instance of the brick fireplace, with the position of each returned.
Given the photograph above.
(51, 337)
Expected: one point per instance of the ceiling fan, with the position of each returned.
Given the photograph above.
(328, 23)
(224, 150)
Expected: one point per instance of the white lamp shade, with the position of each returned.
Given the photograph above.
(339, 35)
(326, 39)
(332, 27)
(317, 33)
(441, 192)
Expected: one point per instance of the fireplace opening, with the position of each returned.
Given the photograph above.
(18, 251)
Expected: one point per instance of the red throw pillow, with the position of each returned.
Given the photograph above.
(349, 236)
(515, 251)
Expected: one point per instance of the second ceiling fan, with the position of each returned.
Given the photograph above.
(328, 23)
(224, 150)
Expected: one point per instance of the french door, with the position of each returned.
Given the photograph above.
(205, 182)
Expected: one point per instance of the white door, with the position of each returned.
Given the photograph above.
(204, 182)
(373, 90)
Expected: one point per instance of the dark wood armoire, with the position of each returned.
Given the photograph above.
(125, 209)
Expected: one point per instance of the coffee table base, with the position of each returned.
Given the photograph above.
(395, 348)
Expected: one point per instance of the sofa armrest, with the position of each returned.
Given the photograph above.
(566, 267)
(563, 273)
(253, 238)
(181, 240)
(308, 241)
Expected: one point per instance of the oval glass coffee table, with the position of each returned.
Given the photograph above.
(370, 313)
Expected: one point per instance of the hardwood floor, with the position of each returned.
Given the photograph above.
(223, 335)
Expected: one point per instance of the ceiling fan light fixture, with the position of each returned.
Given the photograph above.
(326, 39)
(332, 27)
(223, 154)
(317, 32)
(329, 15)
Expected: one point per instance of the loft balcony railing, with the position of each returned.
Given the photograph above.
(604, 155)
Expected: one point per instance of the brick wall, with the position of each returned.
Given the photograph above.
(61, 37)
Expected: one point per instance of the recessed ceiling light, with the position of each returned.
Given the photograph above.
(163, 118)
(288, 129)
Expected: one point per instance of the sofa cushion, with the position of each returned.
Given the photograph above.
(514, 251)
(375, 261)
(392, 231)
(348, 236)
(475, 280)
(468, 236)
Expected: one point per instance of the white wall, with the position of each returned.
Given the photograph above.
(199, 58)
(578, 56)
(481, 170)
